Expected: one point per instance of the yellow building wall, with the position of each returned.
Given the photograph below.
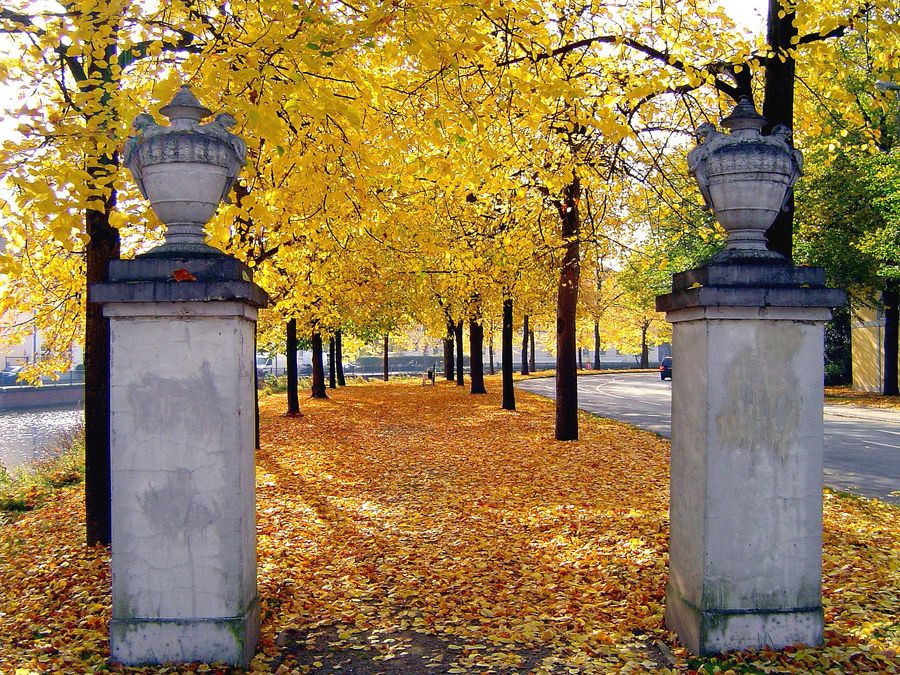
(867, 344)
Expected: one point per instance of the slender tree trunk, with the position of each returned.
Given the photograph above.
(491, 353)
(531, 360)
(506, 357)
(596, 345)
(460, 361)
(386, 364)
(102, 247)
(318, 368)
(476, 351)
(778, 106)
(891, 316)
(293, 395)
(448, 353)
(339, 358)
(566, 304)
(525, 334)
(580, 359)
(332, 368)
(645, 352)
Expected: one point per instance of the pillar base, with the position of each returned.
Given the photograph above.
(140, 642)
(713, 631)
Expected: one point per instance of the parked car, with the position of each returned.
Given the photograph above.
(665, 368)
(10, 375)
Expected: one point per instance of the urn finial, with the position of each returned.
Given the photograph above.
(185, 169)
(745, 178)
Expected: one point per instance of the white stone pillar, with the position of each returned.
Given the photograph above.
(745, 546)
(183, 439)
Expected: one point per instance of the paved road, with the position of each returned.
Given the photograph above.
(862, 446)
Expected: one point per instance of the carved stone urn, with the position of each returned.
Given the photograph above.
(185, 169)
(745, 179)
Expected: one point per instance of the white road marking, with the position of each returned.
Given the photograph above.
(884, 445)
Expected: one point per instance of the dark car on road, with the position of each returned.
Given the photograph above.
(665, 369)
(9, 375)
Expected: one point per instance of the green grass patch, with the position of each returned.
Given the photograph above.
(27, 487)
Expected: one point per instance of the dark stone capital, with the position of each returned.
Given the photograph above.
(750, 285)
(179, 280)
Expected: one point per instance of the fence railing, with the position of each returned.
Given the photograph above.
(10, 378)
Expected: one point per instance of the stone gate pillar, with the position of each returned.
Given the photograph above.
(182, 458)
(182, 321)
(745, 544)
(745, 549)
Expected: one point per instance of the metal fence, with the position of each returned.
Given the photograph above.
(9, 377)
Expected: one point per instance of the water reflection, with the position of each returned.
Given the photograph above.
(28, 435)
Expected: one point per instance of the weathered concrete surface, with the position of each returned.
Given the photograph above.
(745, 550)
(183, 437)
(746, 486)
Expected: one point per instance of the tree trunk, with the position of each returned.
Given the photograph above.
(102, 247)
(891, 316)
(531, 361)
(449, 369)
(778, 107)
(448, 353)
(293, 395)
(339, 358)
(476, 350)
(460, 361)
(332, 368)
(580, 359)
(491, 353)
(318, 368)
(566, 304)
(386, 364)
(596, 345)
(525, 347)
(645, 352)
(506, 357)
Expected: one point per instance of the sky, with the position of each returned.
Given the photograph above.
(749, 13)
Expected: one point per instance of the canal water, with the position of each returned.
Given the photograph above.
(33, 434)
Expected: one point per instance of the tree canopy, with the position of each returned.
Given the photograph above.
(407, 160)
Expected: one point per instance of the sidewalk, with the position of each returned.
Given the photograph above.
(863, 413)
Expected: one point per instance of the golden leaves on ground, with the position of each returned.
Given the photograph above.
(54, 591)
(844, 395)
(422, 529)
(434, 510)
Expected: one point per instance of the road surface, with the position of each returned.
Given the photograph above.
(862, 445)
